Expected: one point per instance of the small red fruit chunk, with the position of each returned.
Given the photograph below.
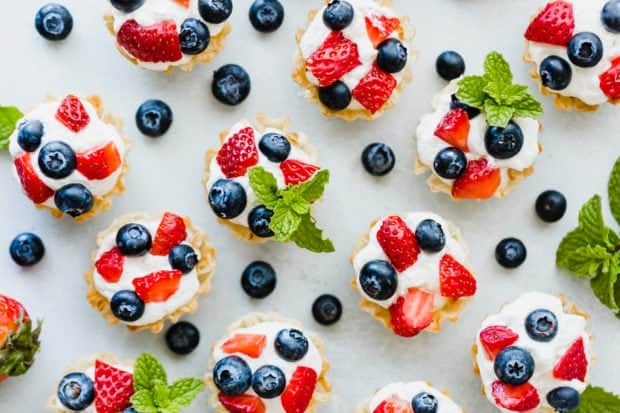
(113, 388)
(73, 114)
(33, 186)
(522, 398)
(455, 281)
(554, 25)
(12, 313)
(336, 57)
(610, 80)
(412, 312)
(110, 265)
(238, 153)
(298, 393)
(454, 129)
(252, 345)
(296, 172)
(171, 232)
(479, 181)
(394, 405)
(398, 242)
(380, 28)
(573, 364)
(375, 89)
(158, 286)
(496, 338)
(183, 3)
(154, 44)
(99, 163)
(245, 403)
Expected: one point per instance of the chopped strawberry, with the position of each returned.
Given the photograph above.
(455, 281)
(398, 242)
(245, 403)
(251, 345)
(110, 265)
(34, 187)
(454, 129)
(394, 405)
(183, 3)
(238, 153)
(296, 172)
(113, 388)
(171, 232)
(479, 181)
(73, 114)
(12, 316)
(554, 25)
(573, 364)
(610, 80)
(522, 398)
(380, 28)
(298, 393)
(156, 43)
(412, 312)
(157, 286)
(336, 57)
(496, 338)
(99, 163)
(375, 89)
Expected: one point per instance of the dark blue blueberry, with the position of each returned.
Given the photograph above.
(133, 239)
(127, 306)
(54, 22)
(182, 338)
(610, 16)
(275, 146)
(510, 252)
(215, 11)
(338, 14)
(259, 220)
(514, 365)
(182, 257)
(127, 6)
(231, 84)
(232, 376)
(378, 279)
(194, 36)
(27, 249)
(266, 15)
(268, 382)
(378, 159)
(585, 49)
(227, 198)
(430, 235)
(551, 206)
(555, 73)
(424, 403)
(450, 65)
(258, 280)
(564, 399)
(29, 135)
(130, 410)
(504, 143)
(76, 391)
(154, 118)
(336, 96)
(291, 344)
(450, 163)
(327, 309)
(455, 103)
(57, 160)
(392, 55)
(74, 200)
(541, 325)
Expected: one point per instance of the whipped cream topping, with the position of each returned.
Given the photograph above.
(407, 391)
(546, 354)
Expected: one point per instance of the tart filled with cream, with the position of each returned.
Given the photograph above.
(412, 397)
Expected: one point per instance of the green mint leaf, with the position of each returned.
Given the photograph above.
(504, 94)
(471, 91)
(589, 261)
(264, 185)
(313, 189)
(603, 285)
(295, 201)
(497, 69)
(183, 392)
(142, 402)
(497, 115)
(591, 221)
(284, 222)
(310, 237)
(9, 115)
(148, 371)
(597, 400)
(613, 190)
(527, 106)
(161, 394)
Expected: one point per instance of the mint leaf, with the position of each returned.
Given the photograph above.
(527, 106)
(9, 115)
(597, 400)
(471, 91)
(264, 185)
(142, 402)
(497, 115)
(148, 371)
(497, 69)
(310, 237)
(588, 261)
(613, 190)
(295, 201)
(312, 189)
(505, 94)
(284, 222)
(183, 392)
(603, 285)
(591, 222)
(161, 394)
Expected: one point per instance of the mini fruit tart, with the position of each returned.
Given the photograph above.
(410, 270)
(354, 58)
(69, 156)
(263, 181)
(163, 34)
(268, 364)
(574, 47)
(412, 397)
(482, 137)
(149, 268)
(533, 355)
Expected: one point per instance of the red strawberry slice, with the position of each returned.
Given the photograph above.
(33, 186)
(298, 393)
(573, 364)
(610, 80)
(375, 89)
(522, 398)
(99, 163)
(394, 405)
(244, 403)
(110, 265)
(398, 242)
(479, 181)
(238, 153)
(412, 312)
(251, 345)
(156, 43)
(12, 316)
(454, 129)
(496, 338)
(380, 28)
(73, 114)
(336, 57)
(296, 172)
(455, 281)
(183, 3)
(554, 25)
(113, 388)
(158, 286)
(171, 232)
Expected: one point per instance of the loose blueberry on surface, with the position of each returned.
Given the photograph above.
(450, 65)
(74, 200)
(133, 239)
(514, 365)
(378, 279)
(338, 14)
(275, 146)
(258, 279)
(555, 73)
(29, 135)
(610, 16)
(430, 236)
(259, 219)
(268, 382)
(27, 249)
(194, 36)
(231, 84)
(232, 376)
(510, 252)
(336, 96)
(564, 399)
(57, 160)
(551, 206)
(215, 11)
(541, 325)
(504, 143)
(182, 338)
(378, 159)
(182, 257)
(455, 103)
(585, 49)
(127, 6)
(450, 163)
(327, 309)
(127, 306)
(266, 15)
(227, 198)
(154, 118)
(54, 22)
(392, 55)
(424, 403)
(76, 391)
(291, 344)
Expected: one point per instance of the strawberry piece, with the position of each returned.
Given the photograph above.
(455, 281)
(298, 393)
(183, 3)
(610, 80)
(394, 405)
(113, 388)
(12, 314)
(157, 286)
(244, 403)
(375, 89)
(99, 163)
(296, 172)
(479, 181)
(110, 265)
(573, 364)
(454, 129)
(156, 43)
(412, 312)
(171, 232)
(380, 28)
(251, 345)
(496, 338)
(33, 186)
(336, 57)
(73, 114)
(398, 242)
(238, 153)
(522, 398)
(554, 25)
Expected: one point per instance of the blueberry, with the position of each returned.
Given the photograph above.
(450, 163)
(27, 249)
(455, 103)
(154, 118)
(336, 96)
(291, 344)
(610, 16)
(327, 309)
(215, 11)
(54, 22)
(130, 410)
(76, 391)
(258, 280)
(585, 49)
(57, 160)
(133, 239)
(424, 403)
(555, 73)
(541, 325)
(378, 159)
(127, 6)
(259, 220)
(450, 65)
(514, 365)
(182, 338)
(231, 84)
(378, 280)
(194, 36)
(268, 382)
(392, 55)
(430, 235)
(232, 376)
(266, 15)
(127, 306)
(74, 200)
(551, 206)
(510, 252)
(227, 198)
(504, 143)
(182, 257)
(275, 146)
(338, 14)
(564, 399)
(29, 135)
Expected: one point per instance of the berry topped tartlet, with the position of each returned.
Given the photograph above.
(149, 268)
(482, 137)
(353, 58)
(411, 272)
(163, 34)
(70, 156)
(268, 364)
(533, 355)
(263, 181)
(412, 397)
(575, 49)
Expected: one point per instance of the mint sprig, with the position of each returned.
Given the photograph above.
(496, 95)
(292, 220)
(9, 115)
(597, 400)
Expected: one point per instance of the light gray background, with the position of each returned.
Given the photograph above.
(165, 174)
